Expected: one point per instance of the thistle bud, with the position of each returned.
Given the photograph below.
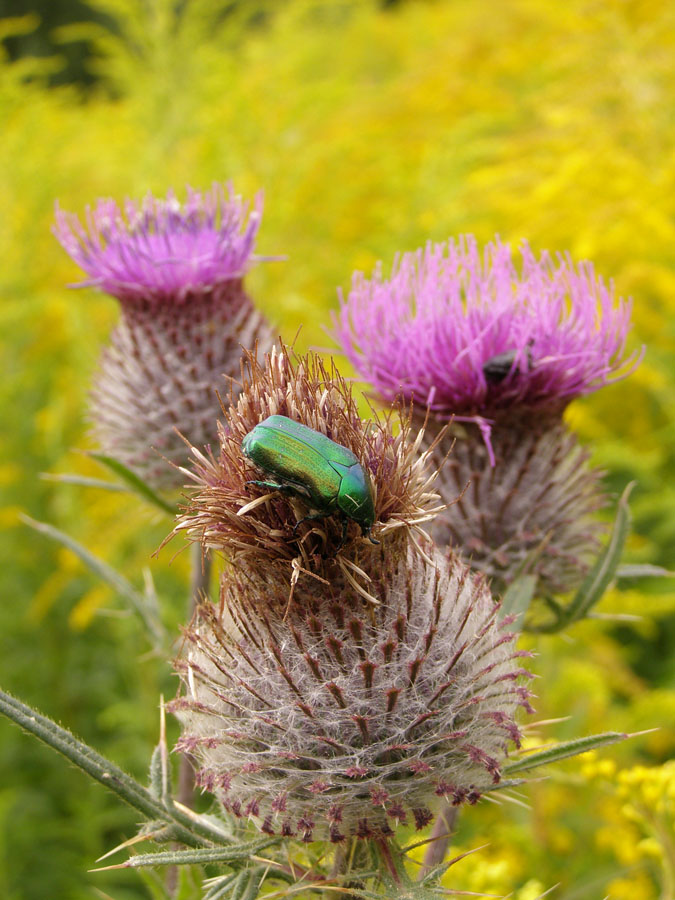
(499, 351)
(177, 270)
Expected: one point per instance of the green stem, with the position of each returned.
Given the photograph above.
(95, 765)
(441, 833)
(200, 584)
(392, 861)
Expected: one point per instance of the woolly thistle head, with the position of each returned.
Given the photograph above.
(344, 719)
(533, 513)
(177, 271)
(473, 335)
(259, 524)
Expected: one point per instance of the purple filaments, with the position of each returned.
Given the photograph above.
(434, 329)
(160, 249)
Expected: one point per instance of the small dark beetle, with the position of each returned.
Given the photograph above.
(498, 367)
(307, 464)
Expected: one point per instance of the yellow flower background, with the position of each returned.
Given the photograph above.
(372, 128)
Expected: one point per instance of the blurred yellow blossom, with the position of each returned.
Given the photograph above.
(371, 130)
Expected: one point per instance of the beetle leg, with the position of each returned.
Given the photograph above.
(309, 519)
(367, 534)
(275, 486)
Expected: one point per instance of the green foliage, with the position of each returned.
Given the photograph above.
(371, 130)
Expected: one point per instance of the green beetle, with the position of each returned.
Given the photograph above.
(326, 475)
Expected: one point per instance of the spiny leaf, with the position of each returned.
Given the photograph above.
(106, 573)
(601, 575)
(643, 570)
(84, 481)
(136, 484)
(517, 599)
(91, 762)
(564, 751)
(191, 828)
(201, 856)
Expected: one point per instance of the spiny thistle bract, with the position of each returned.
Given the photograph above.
(177, 270)
(500, 351)
(345, 719)
(386, 685)
(531, 512)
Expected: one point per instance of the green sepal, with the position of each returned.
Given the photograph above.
(201, 856)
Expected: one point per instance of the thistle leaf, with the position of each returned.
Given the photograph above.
(564, 751)
(84, 481)
(643, 570)
(134, 482)
(601, 575)
(107, 574)
(198, 856)
(91, 762)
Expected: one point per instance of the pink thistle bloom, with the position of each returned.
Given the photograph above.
(473, 335)
(161, 250)
(505, 345)
(177, 270)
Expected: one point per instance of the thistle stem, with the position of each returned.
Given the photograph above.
(343, 864)
(200, 583)
(443, 829)
(392, 861)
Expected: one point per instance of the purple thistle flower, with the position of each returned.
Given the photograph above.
(471, 335)
(160, 251)
(502, 348)
(177, 270)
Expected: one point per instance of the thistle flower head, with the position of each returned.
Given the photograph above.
(162, 251)
(177, 270)
(345, 719)
(474, 334)
(260, 524)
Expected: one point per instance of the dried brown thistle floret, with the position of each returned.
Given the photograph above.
(258, 526)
